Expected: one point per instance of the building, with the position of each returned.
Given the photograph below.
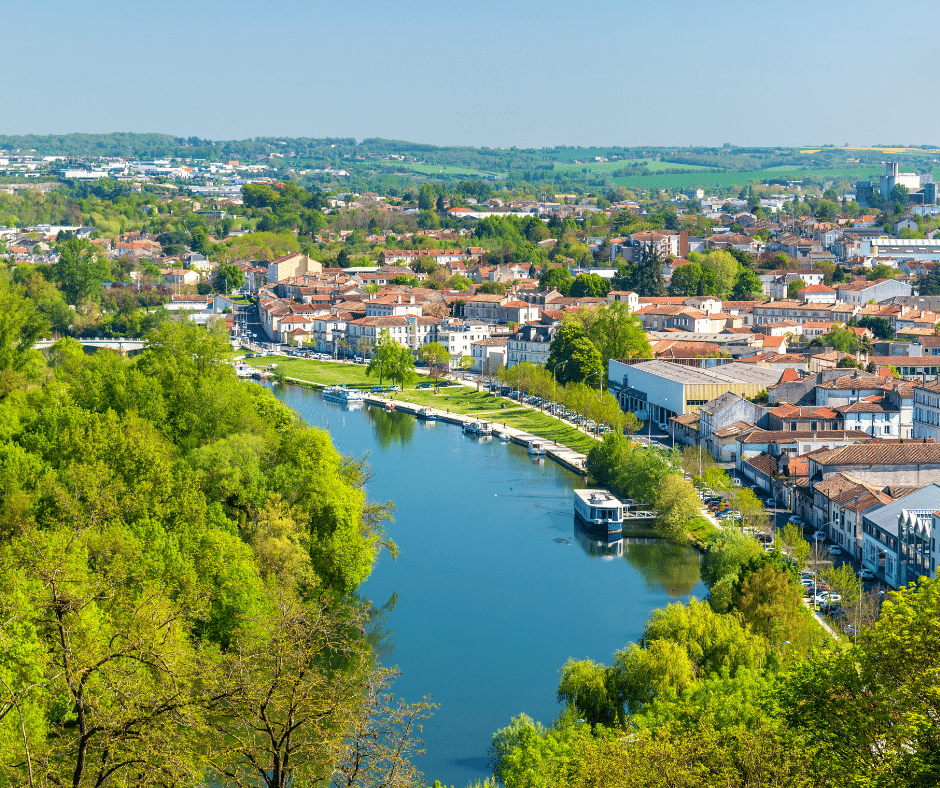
(858, 293)
(900, 539)
(291, 265)
(893, 177)
(662, 389)
(529, 343)
(927, 411)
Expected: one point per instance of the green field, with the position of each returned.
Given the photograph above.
(667, 180)
(444, 169)
(455, 399)
(613, 166)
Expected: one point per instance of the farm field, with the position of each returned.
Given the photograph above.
(667, 180)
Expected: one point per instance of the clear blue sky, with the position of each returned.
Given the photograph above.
(659, 72)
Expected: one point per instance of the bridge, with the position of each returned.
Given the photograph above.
(120, 344)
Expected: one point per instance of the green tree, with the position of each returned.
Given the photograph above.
(80, 271)
(573, 357)
(384, 357)
(794, 288)
(557, 278)
(693, 279)
(881, 271)
(841, 339)
(724, 268)
(589, 286)
(437, 357)
(492, 288)
(676, 504)
(229, 277)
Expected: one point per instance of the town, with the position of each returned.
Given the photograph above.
(776, 341)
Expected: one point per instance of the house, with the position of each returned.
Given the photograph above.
(529, 343)
(721, 413)
(291, 265)
(900, 539)
(817, 294)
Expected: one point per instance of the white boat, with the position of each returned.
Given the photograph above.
(536, 449)
(426, 414)
(599, 511)
(504, 437)
(343, 394)
(478, 428)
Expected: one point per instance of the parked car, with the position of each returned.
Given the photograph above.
(392, 388)
(815, 588)
(770, 503)
(827, 599)
(425, 384)
(795, 519)
(866, 574)
(819, 536)
(376, 389)
(834, 549)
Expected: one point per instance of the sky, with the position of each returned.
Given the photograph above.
(482, 73)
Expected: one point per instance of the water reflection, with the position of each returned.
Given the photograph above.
(598, 545)
(391, 427)
(674, 568)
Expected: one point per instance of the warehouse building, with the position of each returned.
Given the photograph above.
(661, 390)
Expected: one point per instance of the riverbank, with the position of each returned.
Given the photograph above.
(456, 400)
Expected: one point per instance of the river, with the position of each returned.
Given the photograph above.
(492, 591)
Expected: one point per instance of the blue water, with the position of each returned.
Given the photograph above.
(491, 592)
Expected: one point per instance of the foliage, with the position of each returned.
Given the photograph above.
(589, 286)
(80, 271)
(693, 279)
(556, 278)
(794, 288)
(491, 288)
(573, 357)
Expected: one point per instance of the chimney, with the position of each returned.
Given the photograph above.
(411, 300)
(399, 299)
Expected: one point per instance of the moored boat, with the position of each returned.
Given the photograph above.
(536, 449)
(478, 428)
(426, 414)
(599, 511)
(343, 394)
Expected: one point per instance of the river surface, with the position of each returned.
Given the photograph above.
(492, 590)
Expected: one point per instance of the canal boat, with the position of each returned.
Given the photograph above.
(478, 428)
(389, 407)
(343, 394)
(536, 449)
(504, 437)
(426, 414)
(599, 511)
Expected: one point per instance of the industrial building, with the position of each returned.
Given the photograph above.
(661, 390)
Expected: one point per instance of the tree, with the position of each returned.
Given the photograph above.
(615, 331)
(794, 288)
(437, 357)
(229, 277)
(879, 326)
(21, 325)
(557, 278)
(900, 196)
(80, 270)
(573, 357)
(725, 269)
(692, 279)
(676, 504)
(841, 339)
(881, 271)
(492, 288)
(646, 273)
(385, 356)
(589, 286)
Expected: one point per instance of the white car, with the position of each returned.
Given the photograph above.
(866, 574)
(834, 549)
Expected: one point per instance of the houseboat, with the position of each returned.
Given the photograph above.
(536, 449)
(389, 407)
(426, 414)
(599, 511)
(343, 395)
(478, 428)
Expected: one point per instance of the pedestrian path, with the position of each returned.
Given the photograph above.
(573, 460)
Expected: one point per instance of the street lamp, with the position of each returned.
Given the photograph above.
(559, 364)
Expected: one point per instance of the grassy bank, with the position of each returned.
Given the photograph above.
(455, 399)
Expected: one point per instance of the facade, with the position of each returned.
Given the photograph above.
(291, 265)
(927, 411)
(529, 343)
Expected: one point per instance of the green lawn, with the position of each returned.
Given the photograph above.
(456, 399)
